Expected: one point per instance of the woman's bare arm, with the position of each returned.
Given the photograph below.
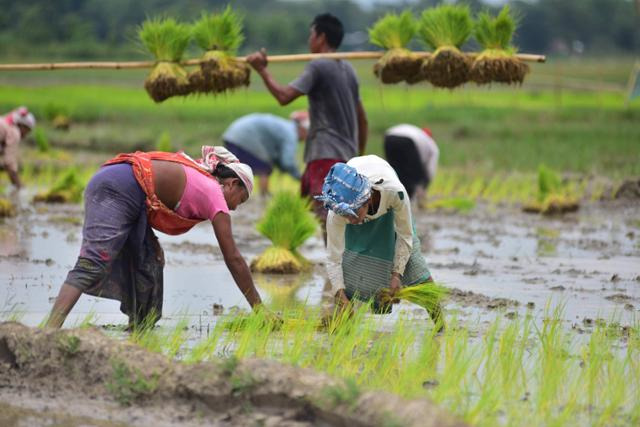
(234, 261)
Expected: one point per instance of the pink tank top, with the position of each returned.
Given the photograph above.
(202, 197)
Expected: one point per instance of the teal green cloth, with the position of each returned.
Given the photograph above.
(367, 261)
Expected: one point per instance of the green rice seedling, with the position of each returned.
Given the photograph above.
(175, 338)
(68, 188)
(393, 32)
(287, 222)
(7, 209)
(445, 29)
(163, 143)
(42, 142)
(220, 36)
(455, 204)
(551, 197)
(89, 320)
(497, 62)
(166, 39)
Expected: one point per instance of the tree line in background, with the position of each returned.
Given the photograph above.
(98, 29)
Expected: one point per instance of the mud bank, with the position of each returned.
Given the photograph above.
(82, 377)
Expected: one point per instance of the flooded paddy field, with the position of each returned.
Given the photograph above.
(572, 279)
(493, 259)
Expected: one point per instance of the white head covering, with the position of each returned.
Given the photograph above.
(22, 116)
(302, 118)
(213, 155)
(245, 174)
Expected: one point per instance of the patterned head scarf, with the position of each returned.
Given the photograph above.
(212, 156)
(344, 190)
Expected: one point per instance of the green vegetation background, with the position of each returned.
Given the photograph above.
(90, 29)
(484, 130)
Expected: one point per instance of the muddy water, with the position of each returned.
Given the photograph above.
(497, 260)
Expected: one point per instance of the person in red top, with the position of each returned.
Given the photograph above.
(120, 257)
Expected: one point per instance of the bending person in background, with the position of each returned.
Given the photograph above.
(338, 129)
(413, 154)
(264, 140)
(371, 241)
(120, 257)
(14, 127)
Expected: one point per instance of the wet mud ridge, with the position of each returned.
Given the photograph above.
(82, 377)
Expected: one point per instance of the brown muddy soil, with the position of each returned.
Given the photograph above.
(81, 377)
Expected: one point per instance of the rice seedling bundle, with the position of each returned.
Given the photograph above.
(550, 199)
(167, 40)
(445, 29)
(427, 295)
(497, 62)
(7, 208)
(219, 35)
(68, 188)
(287, 222)
(393, 32)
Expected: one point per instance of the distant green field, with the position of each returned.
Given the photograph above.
(495, 129)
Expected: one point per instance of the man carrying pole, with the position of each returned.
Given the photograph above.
(338, 128)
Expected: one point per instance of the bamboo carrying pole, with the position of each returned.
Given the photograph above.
(273, 58)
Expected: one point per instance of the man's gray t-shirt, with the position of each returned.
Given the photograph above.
(332, 88)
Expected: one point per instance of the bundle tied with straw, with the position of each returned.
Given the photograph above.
(287, 222)
(167, 40)
(445, 29)
(497, 62)
(220, 35)
(393, 33)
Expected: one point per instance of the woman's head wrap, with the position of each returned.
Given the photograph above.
(212, 156)
(344, 190)
(22, 116)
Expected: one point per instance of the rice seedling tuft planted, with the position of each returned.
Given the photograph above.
(163, 143)
(67, 189)
(287, 222)
(497, 63)
(219, 35)
(167, 40)
(394, 32)
(551, 199)
(445, 29)
(7, 209)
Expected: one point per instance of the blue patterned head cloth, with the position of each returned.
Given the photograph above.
(344, 190)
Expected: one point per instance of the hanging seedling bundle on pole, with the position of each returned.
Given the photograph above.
(287, 222)
(497, 63)
(393, 33)
(220, 36)
(167, 40)
(445, 29)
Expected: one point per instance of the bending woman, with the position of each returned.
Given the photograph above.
(371, 240)
(120, 257)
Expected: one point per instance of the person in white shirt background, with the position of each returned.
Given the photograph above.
(413, 154)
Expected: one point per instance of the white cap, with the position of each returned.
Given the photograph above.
(302, 118)
(245, 174)
(22, 116)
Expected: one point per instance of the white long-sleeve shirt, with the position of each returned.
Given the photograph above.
(426, 146)
(392, 196)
